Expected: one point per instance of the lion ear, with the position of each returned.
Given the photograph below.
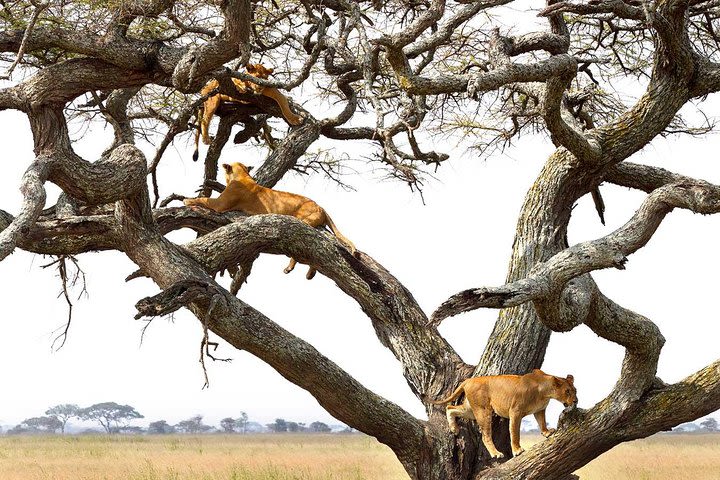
(538, 371)
(557, 381)
(249, 169)
(570, 379)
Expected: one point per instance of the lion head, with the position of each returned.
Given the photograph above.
(564, 391)
(258, 70)
(235, 171)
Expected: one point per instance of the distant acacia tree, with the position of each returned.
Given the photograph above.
(242, 422)
(193, 425)
(110, 415)
(64, 413)
(296, 427)
(160, 427)
(278, 426)
(319, 427)
(710, 424)
(228, 425)
(37, 425)
(389, 79)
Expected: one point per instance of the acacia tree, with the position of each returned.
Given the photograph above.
(228, 425)
(64, 413)
(193, 425)
(38, 425)
(241, 422)
(111, 416)
(389, 72)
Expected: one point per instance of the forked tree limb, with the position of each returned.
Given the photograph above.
(549, 278)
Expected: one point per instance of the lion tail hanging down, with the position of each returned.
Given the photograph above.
(346, 241)
(198, 119)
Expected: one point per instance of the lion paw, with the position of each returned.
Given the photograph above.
(519, 452)
(548, 432)
(497, 455)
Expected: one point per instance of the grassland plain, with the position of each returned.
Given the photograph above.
(304, 457)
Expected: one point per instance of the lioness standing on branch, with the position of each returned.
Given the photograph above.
(509, 396)
(242, 193)
(210, 106)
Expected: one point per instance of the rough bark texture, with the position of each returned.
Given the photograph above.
(142, 54)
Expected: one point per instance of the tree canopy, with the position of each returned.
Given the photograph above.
(110, 415)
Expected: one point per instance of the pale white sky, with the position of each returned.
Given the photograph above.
(462, 238)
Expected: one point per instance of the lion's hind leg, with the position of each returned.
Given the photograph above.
(453, 411)
(483, 416)
(312, 214)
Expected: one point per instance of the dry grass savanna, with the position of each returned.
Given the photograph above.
(202, 457)
(660, 457)
(305, 457)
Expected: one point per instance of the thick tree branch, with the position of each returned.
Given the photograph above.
(98, 182)
(115, 112)
(33, 190)
(341, 395)
(12, 98)
(644, 177)
(65, 81)
(388, 304)
(285, 156)
(618, 8)
(190, 71)
(707, 80)
(561, 133)
(424, 21)
(669, 89)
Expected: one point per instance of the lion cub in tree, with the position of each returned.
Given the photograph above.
(509, 396)
(210, 106)
(243, 194)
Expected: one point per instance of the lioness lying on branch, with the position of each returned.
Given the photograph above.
(242, 193)
(210, 106)
(509, 396)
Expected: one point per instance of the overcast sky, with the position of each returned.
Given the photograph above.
(461, 238)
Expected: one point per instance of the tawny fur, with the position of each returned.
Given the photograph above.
(242, 193)
(210, 106)
(509, 396)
